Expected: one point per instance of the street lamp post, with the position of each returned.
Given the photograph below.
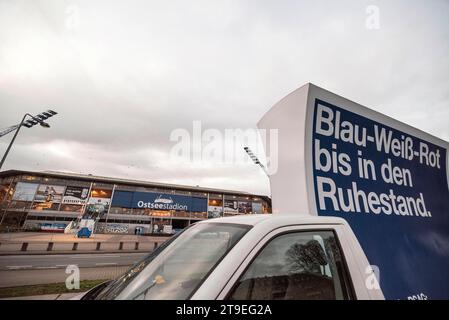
(39, 119)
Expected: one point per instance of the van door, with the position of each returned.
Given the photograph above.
(294, 263)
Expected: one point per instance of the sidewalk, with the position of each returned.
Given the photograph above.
(56, 296)
(62, 237)
(59, 252)
(50, 243)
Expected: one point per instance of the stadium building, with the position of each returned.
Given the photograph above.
(49, 201)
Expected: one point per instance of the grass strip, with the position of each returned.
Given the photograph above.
(50, 288)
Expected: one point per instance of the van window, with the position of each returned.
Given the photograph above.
(296, 266)
(176, 269)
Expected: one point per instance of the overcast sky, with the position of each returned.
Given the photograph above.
(124, 74)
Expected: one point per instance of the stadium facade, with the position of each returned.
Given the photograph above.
(49, 201)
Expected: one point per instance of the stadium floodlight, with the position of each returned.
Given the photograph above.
(44, 124)
(255, 159)
(34, 120)
(42, 116)
(39, 119)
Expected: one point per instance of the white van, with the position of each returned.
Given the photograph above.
(254, 257)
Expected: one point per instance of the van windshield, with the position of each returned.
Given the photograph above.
(177, 268)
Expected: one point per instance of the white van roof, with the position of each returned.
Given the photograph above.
(277, 220)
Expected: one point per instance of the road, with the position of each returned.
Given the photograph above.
(54, 261)
(22, 270)
(13, 278)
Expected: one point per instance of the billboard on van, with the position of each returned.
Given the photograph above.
(387, 179)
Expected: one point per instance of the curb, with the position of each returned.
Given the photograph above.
(52, 296)
(29, 253)
(59, 268)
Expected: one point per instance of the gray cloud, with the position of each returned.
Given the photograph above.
(123, 75)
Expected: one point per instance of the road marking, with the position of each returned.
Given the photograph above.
(105, 263)
(45, 267)
(96, 256)
(62, 265)
(18, 267)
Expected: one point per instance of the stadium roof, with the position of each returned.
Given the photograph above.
(101, 179)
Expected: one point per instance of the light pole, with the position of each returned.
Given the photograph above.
(39, 119)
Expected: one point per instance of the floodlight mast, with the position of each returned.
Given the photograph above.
(39, 119)
(256, 160)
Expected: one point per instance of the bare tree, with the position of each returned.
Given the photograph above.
(307, 257)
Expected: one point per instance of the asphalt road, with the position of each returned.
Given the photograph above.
(55, 261)
(22, 277)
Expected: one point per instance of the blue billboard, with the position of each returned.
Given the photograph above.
(158, 201)
(392, 188)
